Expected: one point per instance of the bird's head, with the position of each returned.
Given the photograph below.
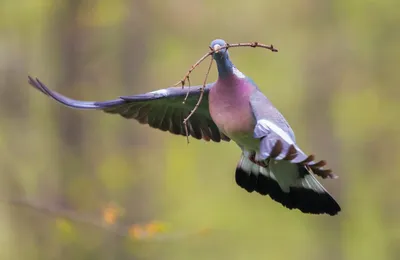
(219, 53)
(221, 56)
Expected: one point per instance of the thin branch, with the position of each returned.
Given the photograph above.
(188, 79)
(187, 94)
(186, 131)
(119, 229)
(182, 82)
(249, 44)
(198, 101)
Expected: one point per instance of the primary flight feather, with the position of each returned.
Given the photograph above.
(233, 108)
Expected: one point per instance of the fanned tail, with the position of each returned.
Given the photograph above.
(292, 185)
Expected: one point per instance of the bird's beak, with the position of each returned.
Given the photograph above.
(217, 47)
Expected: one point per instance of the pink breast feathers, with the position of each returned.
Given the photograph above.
(229, 104)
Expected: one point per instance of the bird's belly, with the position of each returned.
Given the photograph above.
(235, 124)
(246, 141)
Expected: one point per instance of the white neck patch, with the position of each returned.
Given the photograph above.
(238, 73)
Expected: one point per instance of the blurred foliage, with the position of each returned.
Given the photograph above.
(335, 78)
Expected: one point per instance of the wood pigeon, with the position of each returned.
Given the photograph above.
(233, 108)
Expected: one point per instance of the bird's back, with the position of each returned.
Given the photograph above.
(262, 108)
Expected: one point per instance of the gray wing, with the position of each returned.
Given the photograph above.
(162, 109)
(277, 137)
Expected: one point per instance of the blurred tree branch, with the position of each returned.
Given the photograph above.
(153, 231)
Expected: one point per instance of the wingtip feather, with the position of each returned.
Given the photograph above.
(34, 83)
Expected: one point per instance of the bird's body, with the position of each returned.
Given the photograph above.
(233, 109)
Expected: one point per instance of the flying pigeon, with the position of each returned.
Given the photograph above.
(233, 108)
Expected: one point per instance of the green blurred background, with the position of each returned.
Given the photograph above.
(65, 173)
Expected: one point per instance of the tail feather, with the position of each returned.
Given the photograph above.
(292, 185)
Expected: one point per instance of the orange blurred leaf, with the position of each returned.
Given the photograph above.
(135, 231)
(155, 227)
(111, 213)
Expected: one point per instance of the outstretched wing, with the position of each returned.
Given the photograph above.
(277, 138)
(162, 109)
